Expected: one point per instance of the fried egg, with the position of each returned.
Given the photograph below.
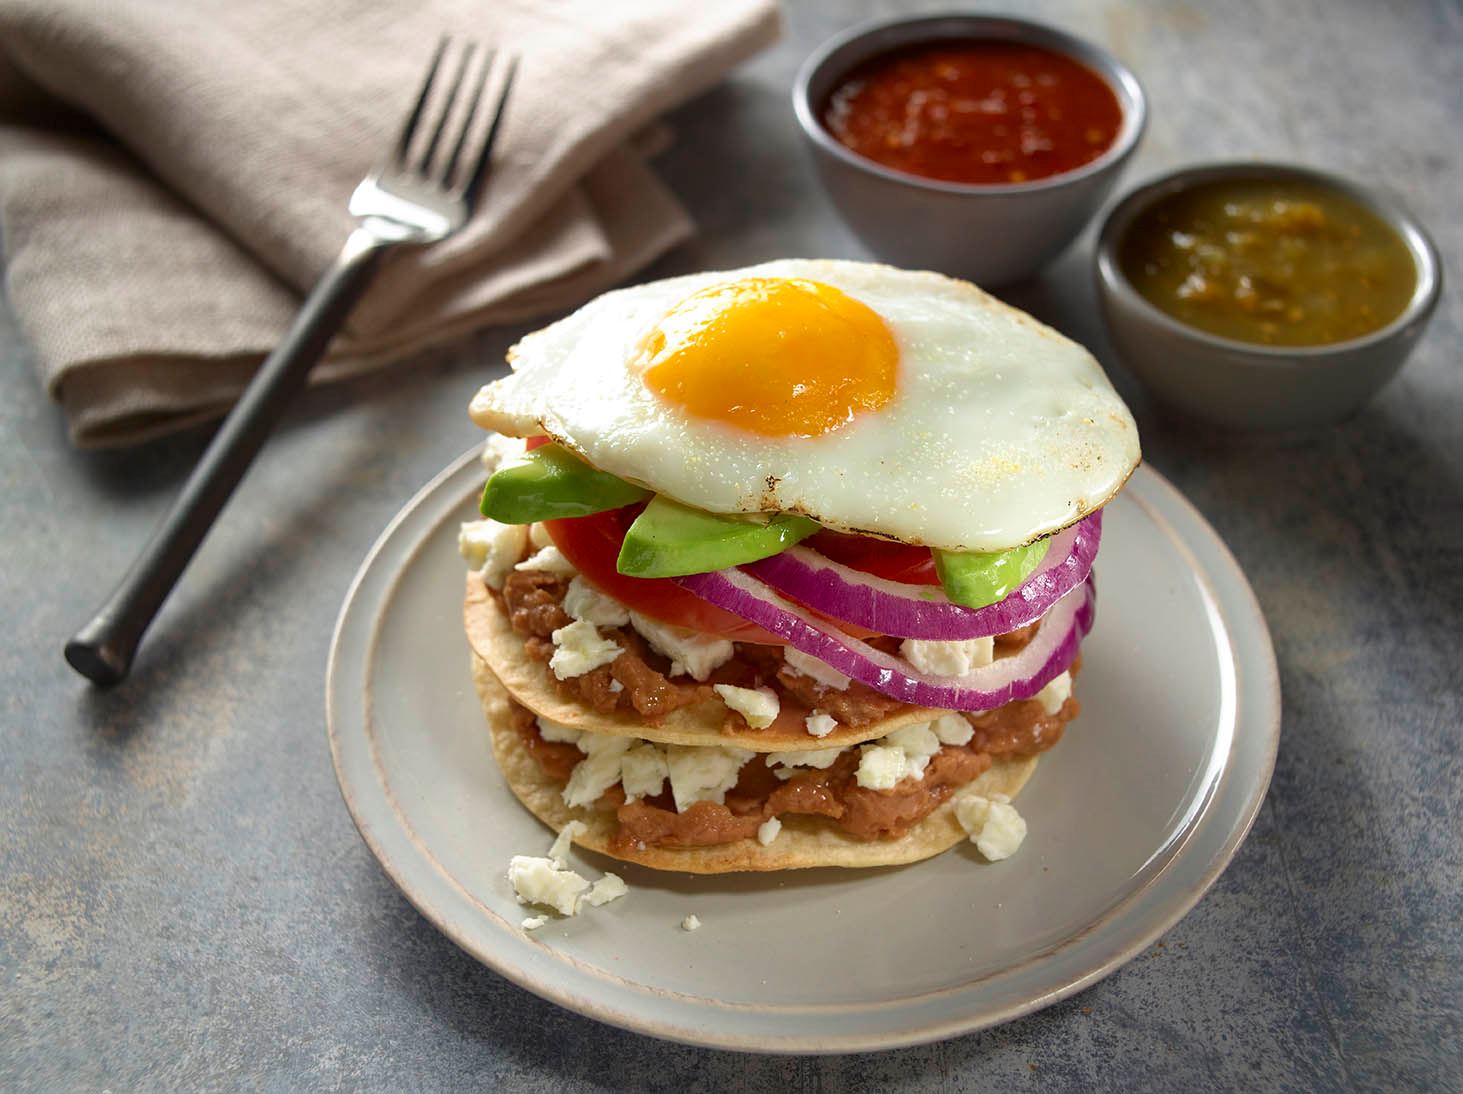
(878, 401)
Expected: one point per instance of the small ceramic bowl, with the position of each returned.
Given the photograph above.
(1244, 385)
(990, 234)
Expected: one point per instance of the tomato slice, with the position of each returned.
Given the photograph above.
(592, 544)
(895, 561)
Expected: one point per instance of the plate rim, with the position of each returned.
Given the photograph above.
(1172, 910)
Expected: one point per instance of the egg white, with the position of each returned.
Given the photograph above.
(1000, 429)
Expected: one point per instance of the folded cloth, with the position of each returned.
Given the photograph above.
(174, 174)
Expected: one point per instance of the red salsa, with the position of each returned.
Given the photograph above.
(975, 112)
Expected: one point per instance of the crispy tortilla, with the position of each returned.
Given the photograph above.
(804, 841)
(531, 682)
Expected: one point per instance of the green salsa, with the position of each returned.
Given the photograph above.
(1283, 263)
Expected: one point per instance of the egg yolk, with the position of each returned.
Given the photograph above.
(780, 357)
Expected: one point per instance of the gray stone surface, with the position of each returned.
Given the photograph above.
(183, 899)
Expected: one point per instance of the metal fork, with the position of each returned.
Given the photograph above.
(423, 193)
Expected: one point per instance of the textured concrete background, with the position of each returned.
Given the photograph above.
(183, 899)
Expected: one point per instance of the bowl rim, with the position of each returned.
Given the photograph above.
(1132, 100)
(1426, 260)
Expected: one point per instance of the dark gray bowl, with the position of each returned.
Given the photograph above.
(1240, 384)
(989, 234)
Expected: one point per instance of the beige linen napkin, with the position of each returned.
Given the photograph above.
(174, 173)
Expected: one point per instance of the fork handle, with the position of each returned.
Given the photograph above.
(103, 650)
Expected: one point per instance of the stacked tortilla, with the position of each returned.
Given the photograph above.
(524, 700)
(777, 707)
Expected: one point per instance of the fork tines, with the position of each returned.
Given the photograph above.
(440, 110)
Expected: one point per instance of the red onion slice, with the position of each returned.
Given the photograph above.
(924, 611)
(1017, 677)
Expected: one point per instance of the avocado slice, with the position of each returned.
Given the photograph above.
(975, 579)
(670, 539)
(551, 482)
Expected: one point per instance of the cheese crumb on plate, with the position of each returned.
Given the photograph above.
(608, 888)
(543, 881)
(992, 824)
(548, 882)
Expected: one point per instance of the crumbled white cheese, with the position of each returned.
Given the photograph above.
(616, 687)
(549, 560)
(583, 601)
(992, 823)
(767, 831)
(643, 771)
(953, 729)
(948, 658)
(690, 652)
(919, 743)
(809, 665)
(702, 772)
(498, 450)
(598, 771)
(904, 753)
(881, 766)
(690, 923)
(541, 881)
(551, 730)
(560, 850)
(819, 724)
(538, 535)
(608, 888)
(782, 763)
(1057, 692)
(547, 881)
(759, 706)
(491, 548)
(580, 648)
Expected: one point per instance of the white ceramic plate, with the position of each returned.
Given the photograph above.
(1131, 817)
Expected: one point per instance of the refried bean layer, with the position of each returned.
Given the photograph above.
(639, 679)
(1022, 728)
